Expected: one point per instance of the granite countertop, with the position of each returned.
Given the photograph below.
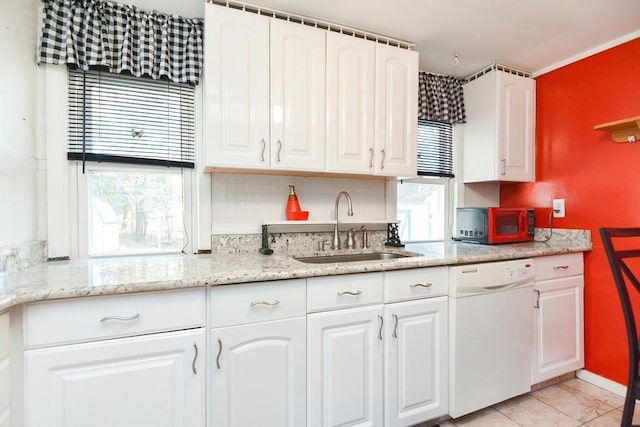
(105, 276)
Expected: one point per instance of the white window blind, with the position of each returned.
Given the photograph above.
(124, 119)
(435, 149)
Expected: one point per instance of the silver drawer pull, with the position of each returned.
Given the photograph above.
(395, 327)
(356, 293)
(195, 359)
(561, 267)
(270, 304)
(219, 353)
(422, 285)
(121, 318)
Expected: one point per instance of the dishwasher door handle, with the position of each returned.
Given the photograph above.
(507, 285)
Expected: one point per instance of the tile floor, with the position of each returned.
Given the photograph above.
(570, 403)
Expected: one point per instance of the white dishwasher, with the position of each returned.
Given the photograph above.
(490, 324)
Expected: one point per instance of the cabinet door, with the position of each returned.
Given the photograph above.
(396, 111)
(558, 328)
(5, 368)
(516, 116)
(152, 380)
(259, 374)
(236, 88)
(350, 104)
(498, 138)
(345, 367)
(298, 96)
(416, 366)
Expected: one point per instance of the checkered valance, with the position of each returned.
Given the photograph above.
(440, 98)
(89, 33)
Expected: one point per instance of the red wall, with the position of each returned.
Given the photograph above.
(598, 178)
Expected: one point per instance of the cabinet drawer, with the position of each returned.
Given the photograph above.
(554, 266)
(417, 283)
(257, 302)
(327, 293)
(93, 318)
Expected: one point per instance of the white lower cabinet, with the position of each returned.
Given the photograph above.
(374, 364)
(5, 370)
(152, 380)
(345, 366)
(258, 355)
(415, 361)
(123, 360)
(558, 343)
(258, 374)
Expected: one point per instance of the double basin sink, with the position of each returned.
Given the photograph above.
(330, 259)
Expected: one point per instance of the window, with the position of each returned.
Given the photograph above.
(423, 204)
(133, 140)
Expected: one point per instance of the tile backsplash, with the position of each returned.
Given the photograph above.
(242, 203)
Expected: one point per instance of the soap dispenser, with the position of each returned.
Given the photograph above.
(293, 206)
(293, 211)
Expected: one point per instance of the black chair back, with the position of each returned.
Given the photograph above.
(622, 249)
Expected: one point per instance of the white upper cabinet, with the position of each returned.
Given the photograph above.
(236, 88)
(350, 104)
(284, 96)
(498, 138)
(297, 96)
(264, 92)
(396, 105)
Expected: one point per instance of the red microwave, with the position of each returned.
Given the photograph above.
(494, 225)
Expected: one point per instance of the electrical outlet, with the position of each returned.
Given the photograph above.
(558, 208)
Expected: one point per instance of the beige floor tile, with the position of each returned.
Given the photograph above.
(487, 417)
(572, 402)
(528, 411)
(610, 419)
(595, 391)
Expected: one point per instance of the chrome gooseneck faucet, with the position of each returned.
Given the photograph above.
(336, 239)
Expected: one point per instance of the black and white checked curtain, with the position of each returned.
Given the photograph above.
(440, 98)
(88, 33)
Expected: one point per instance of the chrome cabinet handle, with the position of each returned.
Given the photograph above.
(537, 298)
(370, 158)
(395, 326)
(504, 166)
(278, 152)
(195, 357)
(356, 293)
(422, 285)
(121, 318)
(270, 304)
(381, 319)
(561, 267)
(382, 160)
(264, 146)
(219, 353)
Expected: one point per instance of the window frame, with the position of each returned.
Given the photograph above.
(448, 184)
(80, 215)
(60, 204)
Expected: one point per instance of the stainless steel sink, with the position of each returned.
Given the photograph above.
(329, 259)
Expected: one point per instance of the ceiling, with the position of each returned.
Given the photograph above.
(530, 35)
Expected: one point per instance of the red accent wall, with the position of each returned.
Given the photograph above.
(598, 178)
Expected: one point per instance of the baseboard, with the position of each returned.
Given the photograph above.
(602, 382)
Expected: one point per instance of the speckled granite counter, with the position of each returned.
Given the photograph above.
(67, 279)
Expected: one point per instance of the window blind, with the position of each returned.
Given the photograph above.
(124, 119)
(435, 149)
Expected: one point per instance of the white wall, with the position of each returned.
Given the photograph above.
(19, 176)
